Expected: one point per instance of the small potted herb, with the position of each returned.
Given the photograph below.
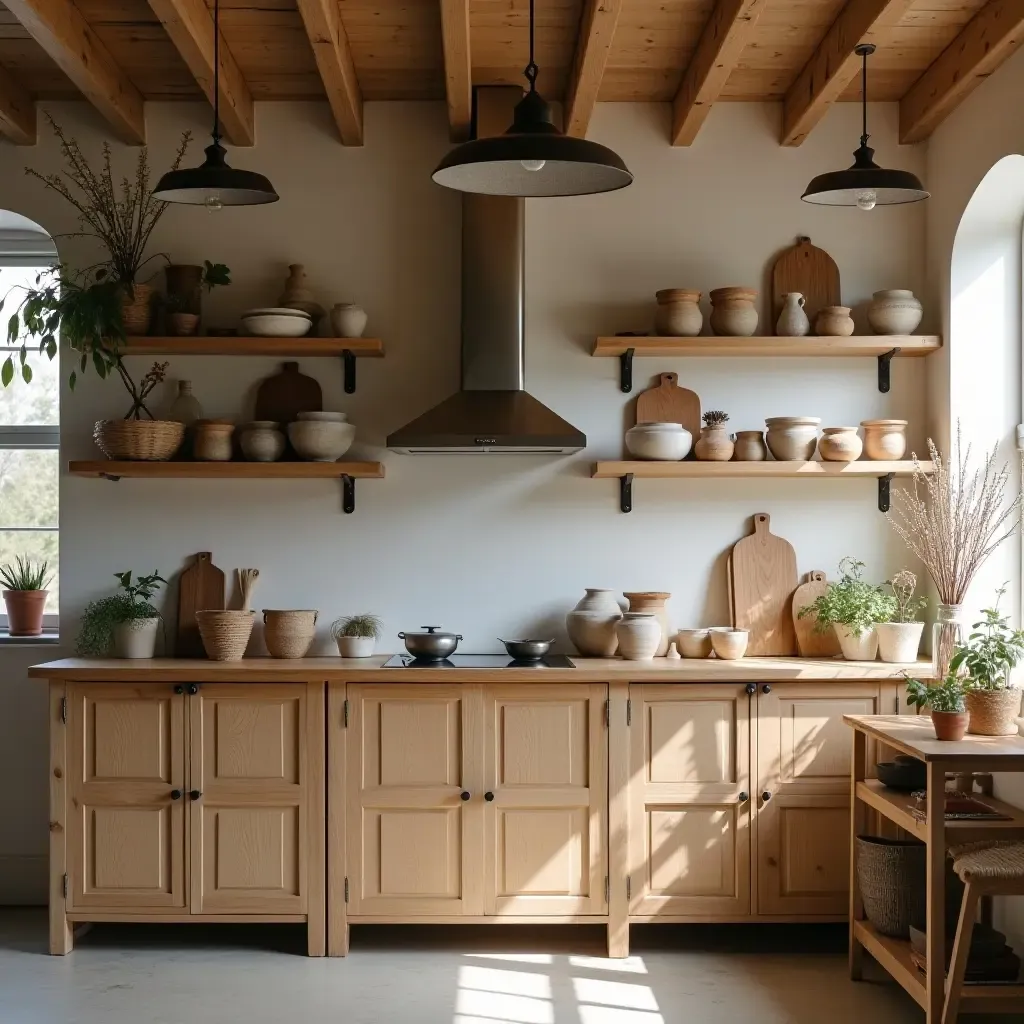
(947, 703)
(25, 593)
(125, 622)
(852, 607)
(714, 443)
(182, 319)
(356, 635)
(899, 639)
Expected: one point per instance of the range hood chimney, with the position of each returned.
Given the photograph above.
(491, 412)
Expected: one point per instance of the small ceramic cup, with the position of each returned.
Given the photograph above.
(694, 643)
(729, 644)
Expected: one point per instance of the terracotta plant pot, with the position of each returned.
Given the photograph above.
(652, 601)
(25, 611)
(733, 313)
(183, 325)
(840, 444)
(885, 439)
(678, 314)
(857, 648)
(950, 725)
(993, 712)
(137, 309)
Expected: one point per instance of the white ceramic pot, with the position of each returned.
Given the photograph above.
(678, 314)
(834, 322)
(733, 313)
(262, 441)
(899, 641)
(885, 439)
(840, 444)
(356, 646)
(639, 636)
(348, 320)
(792, 438)
(136, 638)
(894, 311)
(591, 624)
(857, 648)
(792, 322)
(664, 442)
(730, 644)
(694, 643)
(653, 602)
(321, 440)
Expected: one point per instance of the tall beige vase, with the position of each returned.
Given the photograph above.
(653, 601)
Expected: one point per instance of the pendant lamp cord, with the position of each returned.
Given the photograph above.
(864, 99)
(216, 72)
(531, 69)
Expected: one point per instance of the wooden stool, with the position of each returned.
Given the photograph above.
(987, 869)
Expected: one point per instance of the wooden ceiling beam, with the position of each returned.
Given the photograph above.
(834, 64)
(713, 60)
(60, 29)
(595, 42)
(458, 68)
(190, 26)
(329, 40)
(17, 111)
(989, 38)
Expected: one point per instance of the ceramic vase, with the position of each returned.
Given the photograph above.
(792, 322)
(348, 320)
(356, 646)
(591, 624)
(262, 441)
(894, 311)
(25, 611)
(750, 446)
(694, 643)
(833, 322)
(714, 444)
(654, 602)
(678, 314)
(666, 442)
(840, 444)
(297, 293)
(212, 441)
(136, 638)
(640, 636)
(792, 438)
(885, 439)
(730, 644)
(993, 712)
(862, 647)
(733, 313)
(899, 641)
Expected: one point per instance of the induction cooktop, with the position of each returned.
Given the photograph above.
(479, 661)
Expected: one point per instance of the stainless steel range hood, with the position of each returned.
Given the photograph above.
(492, 412)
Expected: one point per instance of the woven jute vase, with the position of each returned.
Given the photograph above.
(891, 873)
(138, 440)
(993, 712)
(137, 309)
(225, 633)
(288, 633)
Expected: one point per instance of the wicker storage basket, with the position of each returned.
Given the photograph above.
(891, 873)
(138, 440)
(993, 712)
(288, 634)
(225, 633)
(137, 309)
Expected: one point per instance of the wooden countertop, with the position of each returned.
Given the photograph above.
(915, 735)
(587, 670)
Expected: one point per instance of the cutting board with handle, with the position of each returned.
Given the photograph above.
(284, 395)
(806, 269)
(810, 644)
(666, 402)
(200, 588)
(763, 581)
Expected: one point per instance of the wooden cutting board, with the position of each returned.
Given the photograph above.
(284, 395)
(200, 587)
(808, 643)
(763, 580)
(666, 402)
(809, 270)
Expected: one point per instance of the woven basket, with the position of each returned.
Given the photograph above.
(138, 440)
(993, 712)
(225, 634)
(288, 634)
(137, 309)
(891, 874)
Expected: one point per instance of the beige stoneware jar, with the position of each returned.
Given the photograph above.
(792, 438)
(894, 311)
(714, 444)
(678, 314)
(694, 643)
(840, 444)
(885, 439)
(733, 313)
(654, 602)
(591, 624)
(833, 322)
(750, 446)
(640, 636)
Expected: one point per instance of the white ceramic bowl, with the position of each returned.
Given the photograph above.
(276, 325)
(315, 416)
(320, 440)
(277, 311)
(663, 442)
(694, 643)
(729, 644)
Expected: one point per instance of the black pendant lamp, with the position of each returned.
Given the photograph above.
(214, 184)
(533, 158)
(865, 184)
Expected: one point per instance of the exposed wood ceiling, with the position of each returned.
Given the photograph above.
(690, 53)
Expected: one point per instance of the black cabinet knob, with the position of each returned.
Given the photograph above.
(193, 688)
(175, 794)
(751, 688)
(488, 796)
(179, 689)
(195, 794)
(744, 797)
(766, 688)
(464, 795)
(766, 796)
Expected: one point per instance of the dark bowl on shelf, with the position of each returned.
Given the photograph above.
(905, 773)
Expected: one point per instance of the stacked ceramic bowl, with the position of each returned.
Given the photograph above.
(321, 436)
(276, 322)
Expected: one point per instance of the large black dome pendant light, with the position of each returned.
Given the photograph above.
(214, 184)
(865, 184)
(533, 158)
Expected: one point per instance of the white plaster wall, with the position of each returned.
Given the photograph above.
(497, 545)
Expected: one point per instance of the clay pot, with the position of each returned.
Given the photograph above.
(262, 441)
(320, 440)
(678, 315)
(212, 440)
(729, 644)
(25, 611)
(792, 322)
(750, 446)
(137, 309)
(840, 444)
(297, 294)
(885, 439)
(640, 636)
(694, 643)
(993, 712)
(792, 438)
(950, 725)
(652, 601)
(136, 638)
(183, 325)
(591, 624)
(863, 647)
(348, 320)
(732, 312)
(714, 444)
(899, 641)
(667, 442)
(894, 311)
(833, 322)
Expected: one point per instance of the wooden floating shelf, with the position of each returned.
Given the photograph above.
(870, 345)
(234, 346)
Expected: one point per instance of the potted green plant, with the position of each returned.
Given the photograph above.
(899, 639)
(125, 623)
(852, 607)
(25, 593)
(947, 701)
(356, 635)
(991, 650)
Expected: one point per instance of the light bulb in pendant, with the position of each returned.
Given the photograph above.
(214, 202)
(867, 199)
(532, 165)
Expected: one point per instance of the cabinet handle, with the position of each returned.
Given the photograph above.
(195, 794)
(766, 688)
(744, 797)
(179, 689)
(488, 796)
(751, 688)
(193, 688)
(175, 794)
(464, 795)
(766, 796)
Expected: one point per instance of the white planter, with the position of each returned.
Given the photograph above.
(356, 646)
(639, 635)
(136, 638)
(666, 442)
(857, 648)
(899, 641)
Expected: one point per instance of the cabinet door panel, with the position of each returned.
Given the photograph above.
(126, 748)
(689, 830)
(546, 763)
(414, 846)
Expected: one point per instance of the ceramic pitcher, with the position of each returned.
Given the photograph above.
(793, 322)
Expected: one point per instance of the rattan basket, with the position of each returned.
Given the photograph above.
(225, 633)
(993, 712)
(288, 633)
(891, 874)
(138, 440)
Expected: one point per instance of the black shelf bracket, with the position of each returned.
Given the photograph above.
(110, 476)
(884, 360)
(626, 492)
(626, 370)
(348, 494)
(348, 362)
(884, 492)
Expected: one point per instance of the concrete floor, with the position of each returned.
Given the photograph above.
(181, 974)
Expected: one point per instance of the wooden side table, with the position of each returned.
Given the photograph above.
(914, 735)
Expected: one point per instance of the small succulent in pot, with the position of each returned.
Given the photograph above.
(947, 701)
(899, 638)
(356, 635)
(125, 623)
(714, 444)
(25, 583)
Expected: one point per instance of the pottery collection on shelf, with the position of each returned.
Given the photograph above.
(733, 313)
(894, 311)
(678, 314)
(793, 322)
(666, 442)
